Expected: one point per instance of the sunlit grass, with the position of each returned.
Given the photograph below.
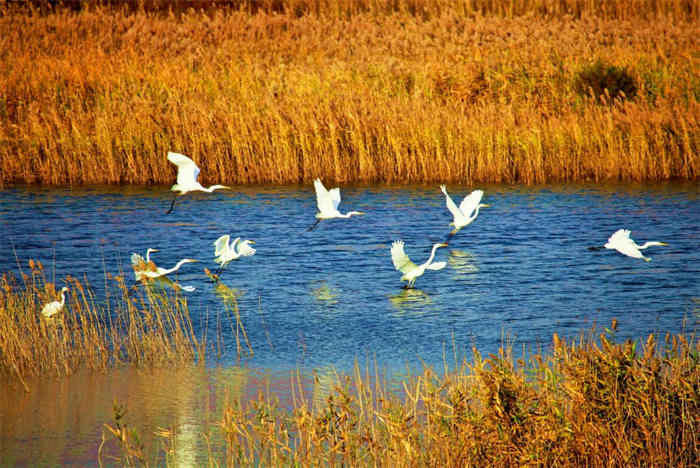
(151, 327)
(395, 91)
(589, 401)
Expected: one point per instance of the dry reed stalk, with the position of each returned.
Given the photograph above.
(590, 402)
(153, 328)
(392, 91)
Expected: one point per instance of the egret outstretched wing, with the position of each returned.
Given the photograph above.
(451, 204)
(400, 259)
(245, 249)
(137, 261)
(436, 266)
(221, 244)
(324, 198)
(187, 170)
(622, 235)
(470, 202)
(335, 197)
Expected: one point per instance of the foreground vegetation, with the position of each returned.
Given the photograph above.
(587, 402)
(402, 90)
(152, 327)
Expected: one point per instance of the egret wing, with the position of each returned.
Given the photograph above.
(137, 261)
(622, 235)
(324, 198)
(187, 170)
(451, 204)
(400, 259)
(245, 249)
(436, 266)
(629, 249)
(335, 197)
(220, 244)
(470, 202)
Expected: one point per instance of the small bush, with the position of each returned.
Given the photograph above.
(598, 77)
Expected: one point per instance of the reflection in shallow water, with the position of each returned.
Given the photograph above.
(411, 301)
(462, 264)
(323, 292)
(60, 421)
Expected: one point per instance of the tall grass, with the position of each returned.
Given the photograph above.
(587, 403)
(153, 327)
(402, 90)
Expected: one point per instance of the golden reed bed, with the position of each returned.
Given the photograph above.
(581, 402)
(391, 91)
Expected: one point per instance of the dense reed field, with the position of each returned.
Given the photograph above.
(393, 91)
(151, 327)
(586, 402)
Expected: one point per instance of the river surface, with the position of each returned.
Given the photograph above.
(331, 296)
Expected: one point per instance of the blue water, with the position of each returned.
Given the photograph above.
(332, 295)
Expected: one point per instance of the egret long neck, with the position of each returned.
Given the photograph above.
(476, 213)
(63, 298)
(432, 254)
(648, 244)
(176, 267)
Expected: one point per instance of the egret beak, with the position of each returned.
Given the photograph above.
(360, 213)
(444, 245)
(252, 242)
(663, 243)
(485, 206)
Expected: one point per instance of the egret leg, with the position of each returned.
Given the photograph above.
(596, 248)
(132, 289)
(172, 205)
(312, 227)
(220, 270)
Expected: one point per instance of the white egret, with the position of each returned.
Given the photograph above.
(466, 212)
(53, 308)
(226, 252)
(328, 201)
(146, 269)
(187, 173)
(410, 270)
(622, 242)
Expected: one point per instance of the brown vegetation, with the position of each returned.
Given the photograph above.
(587, 402)
(152, 327)
(394, 91)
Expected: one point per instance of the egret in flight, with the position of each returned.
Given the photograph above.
(53, 308)
(187, 173)
(410, 270)
(328, 201)
(466, 212)
(226, 252)
(622, 242)
(145, 270)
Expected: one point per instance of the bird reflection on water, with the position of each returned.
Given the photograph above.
(323, 292)
(462, 264)
(412, 302)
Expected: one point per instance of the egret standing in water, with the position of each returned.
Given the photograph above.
(187, 173)
(53, 308)
(410, 270)
(146, 269)
(622, 242)
(466, 212)
(226, 252)
(328, 201)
